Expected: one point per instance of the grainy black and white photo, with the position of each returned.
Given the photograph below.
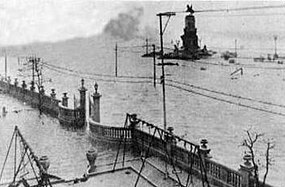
(142, 93)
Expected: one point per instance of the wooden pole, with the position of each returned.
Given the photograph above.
(162, 69)
(236, 47)
(116, 60)
(163, 82)
(275, 42)
(5, 65)
(154, 67)
(33, 70)
(146, 44)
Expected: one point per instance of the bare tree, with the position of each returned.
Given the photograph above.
(250, 143)
(268, 160)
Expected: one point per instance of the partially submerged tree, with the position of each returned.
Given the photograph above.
(250, 142)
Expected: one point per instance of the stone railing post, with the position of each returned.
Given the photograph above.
(96, 105)
(246, 170)
(133, 121)
(42, 90)
(82, 92)
(64, 100)
(32, 88)
(16, 82)
(170, 140)
(24, 85)
(205, 151)
(9, 80)
(52, 94)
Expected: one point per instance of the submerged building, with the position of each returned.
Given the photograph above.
(190, 38)
(190, 48)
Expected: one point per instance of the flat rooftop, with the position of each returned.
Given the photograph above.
(153, 173)
(121, 177)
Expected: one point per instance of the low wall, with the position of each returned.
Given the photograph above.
(71, 117)
(111, 134)
(183, 157)
(182, 153)
(49, 105)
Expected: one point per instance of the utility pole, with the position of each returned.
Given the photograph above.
(275, 56)
(116, 60)
(154, 67)
(235, 47)
(162, 69)
(163, 75)
(33, 70)
(146, 44)
(5, 65)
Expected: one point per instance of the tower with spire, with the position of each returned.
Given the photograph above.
(190, 38)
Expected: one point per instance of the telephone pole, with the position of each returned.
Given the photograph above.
(162, 69)
(235, 47)
(169, 14)
(146, 44)
(275, 47)
(154, 67)
(5, 65)
(116, 60)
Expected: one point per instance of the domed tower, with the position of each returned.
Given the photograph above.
(190, 38)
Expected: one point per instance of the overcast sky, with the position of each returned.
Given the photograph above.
(25, 21)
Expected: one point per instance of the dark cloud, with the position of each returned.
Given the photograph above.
(126, 26)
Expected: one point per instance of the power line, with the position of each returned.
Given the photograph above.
(226, 94)
(97, 79)
(226, 101)
(175, 85)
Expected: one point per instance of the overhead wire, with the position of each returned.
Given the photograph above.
(226, 94)
(226, 101)
(230, 9)
(174, 84)
(97, 79)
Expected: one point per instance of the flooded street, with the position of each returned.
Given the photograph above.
(203, 99)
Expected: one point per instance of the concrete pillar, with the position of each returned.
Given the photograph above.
(246, 169)
(16, 82)
(9, 84)
(82, 91)
(96, 105)
(42, 90)
(32, 88)
(170, 140)
(52, 94)
(9, 80)
(64, 100)
(24, 85)
(133, 121)
(205, 151)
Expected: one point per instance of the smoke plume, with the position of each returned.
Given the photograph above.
(126, 25)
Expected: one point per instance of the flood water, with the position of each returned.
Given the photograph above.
(193, 116)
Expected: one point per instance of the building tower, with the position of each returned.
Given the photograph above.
(190, 38)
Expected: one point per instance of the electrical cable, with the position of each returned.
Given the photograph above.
(226, 101)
